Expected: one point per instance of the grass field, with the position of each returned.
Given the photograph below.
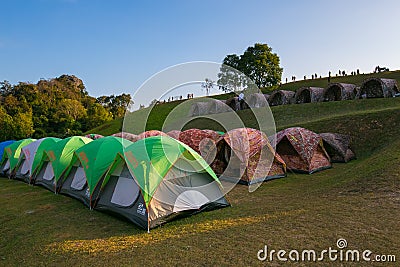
(358, 201)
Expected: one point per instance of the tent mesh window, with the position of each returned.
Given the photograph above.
(126, 190)
(79, 181)
(48, 173)
(6, 166)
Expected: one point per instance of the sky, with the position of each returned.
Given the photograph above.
(115, 46)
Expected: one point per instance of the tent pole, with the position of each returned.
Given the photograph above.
(148, 222)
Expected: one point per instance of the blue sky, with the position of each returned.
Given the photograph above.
(114, 46)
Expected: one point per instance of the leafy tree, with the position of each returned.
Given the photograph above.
(6, 122)
(70, 109)
(97, 115)
(208, 84)
(18, 126)
(120, 104)
(117, 105)
(261, 65)
(23, 125)
(54, 107)
(258, 63)
(5, 88)
(69, 116)
(229, 78)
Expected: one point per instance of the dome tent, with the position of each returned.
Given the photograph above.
(155, 180)
(379, 87)
(194, 137)
(94, 136)
(233, 103)
(88, 166)
(128, 136)
(338, 147)
(245, 155)
(55, 160)
(256, 100)
(3, 145)
(340, 91)
(281, 97)
(218, 106)
(11, 155)
(150, 133)
(301, 149)
(198, 109)
(30, 158)
(174, 134)
(309, 95)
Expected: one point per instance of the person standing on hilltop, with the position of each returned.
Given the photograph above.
(241, 100)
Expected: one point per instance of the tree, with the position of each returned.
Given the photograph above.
(261, 65)
(229, 78)
(23, 125)
(69, 117)
(258, 63)
(5, 88)
(57, 107)
(120, 104)
(70, 109)
(97, 115)
(208, 84)
(6, 122)
(17, 127)
(117, 105)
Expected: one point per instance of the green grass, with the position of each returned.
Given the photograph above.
(358, 201)
(108, 128)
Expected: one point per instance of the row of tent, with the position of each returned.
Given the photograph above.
(370, 88)
(153, 177)
(149, 182)
(248, 156)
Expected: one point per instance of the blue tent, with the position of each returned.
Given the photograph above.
(3, 145)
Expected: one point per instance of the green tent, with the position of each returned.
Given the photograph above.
(157, 178)
(30, 157)
(89, 165)
(57, 159)
(11, 156)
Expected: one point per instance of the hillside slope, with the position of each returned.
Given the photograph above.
(358, 201)
(284, 115)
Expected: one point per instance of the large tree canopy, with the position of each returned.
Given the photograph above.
(56, 107)
(258, 63)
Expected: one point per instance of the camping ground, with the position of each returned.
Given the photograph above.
(358, 201)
